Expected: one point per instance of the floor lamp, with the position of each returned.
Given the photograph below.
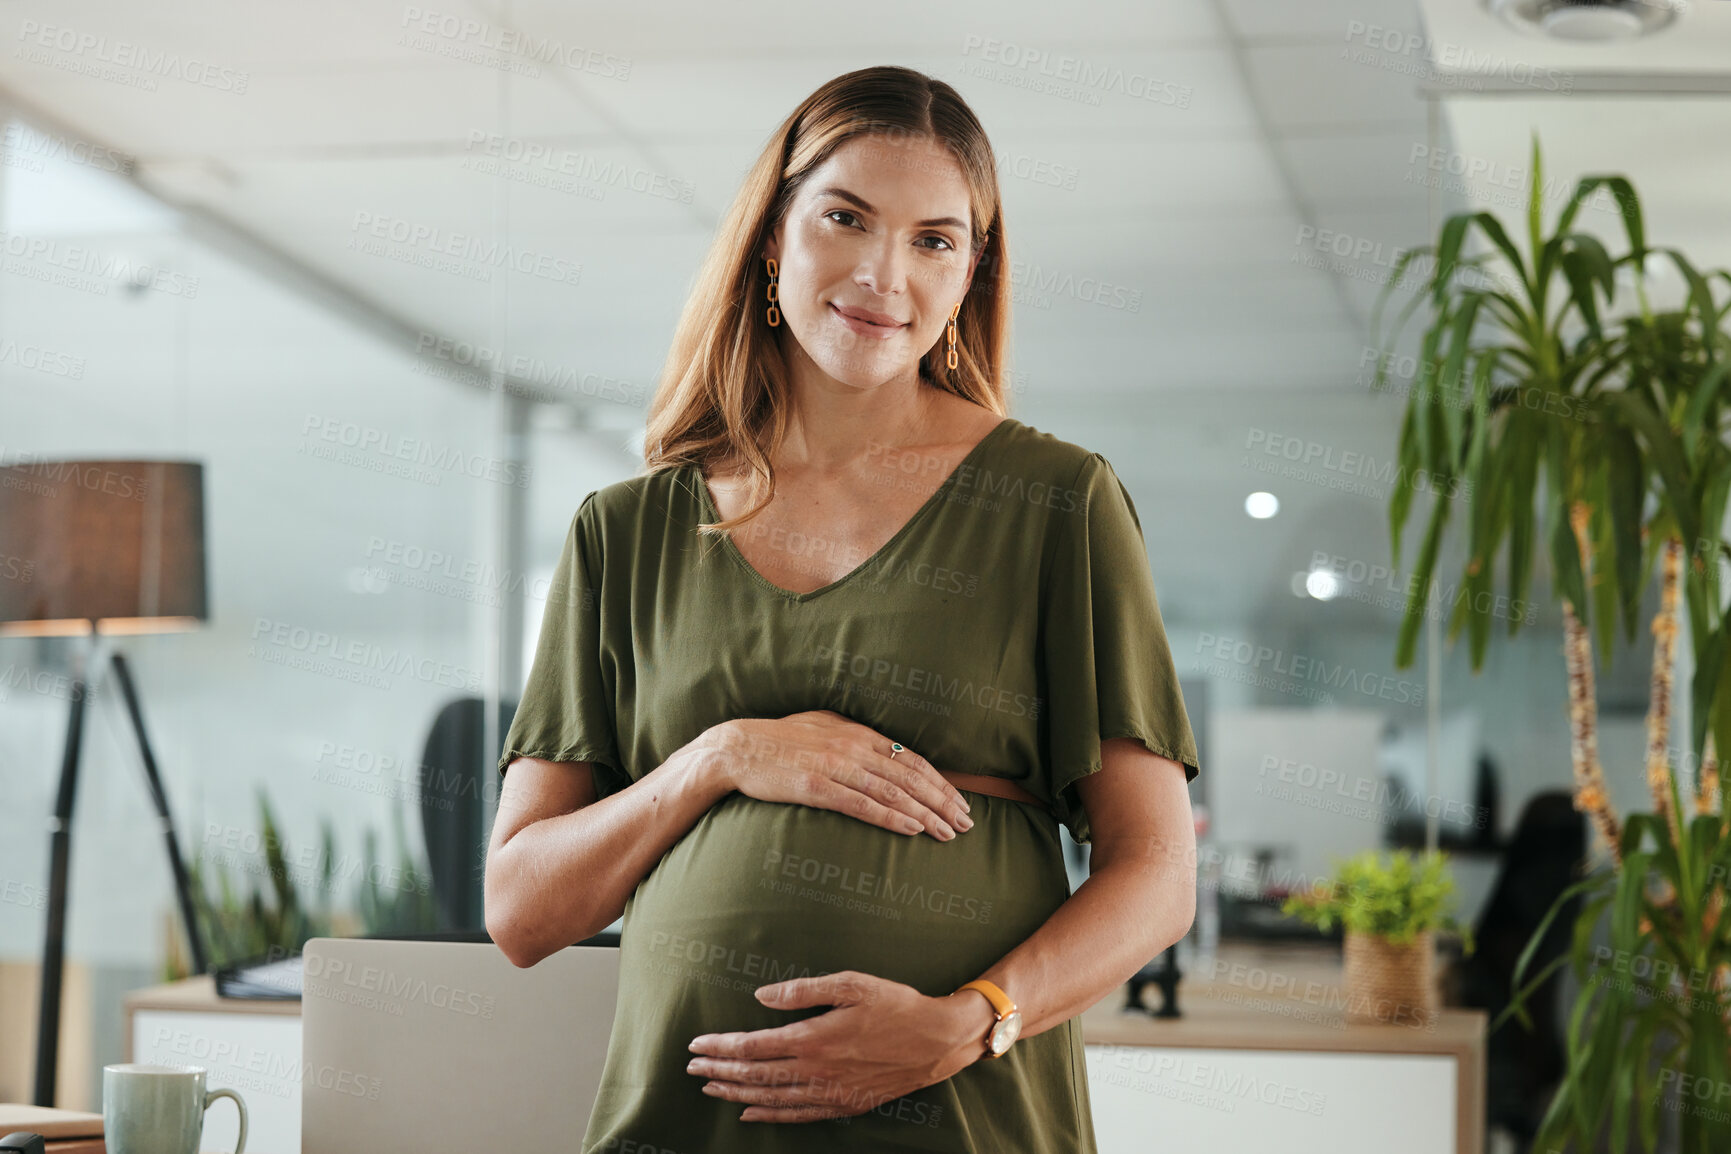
(92, 549)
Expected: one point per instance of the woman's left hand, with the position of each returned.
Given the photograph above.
(883, 1039)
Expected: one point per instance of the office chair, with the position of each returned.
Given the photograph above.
(1542, 859)
(454, 768)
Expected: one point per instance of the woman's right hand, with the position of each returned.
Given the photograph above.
(822, 759)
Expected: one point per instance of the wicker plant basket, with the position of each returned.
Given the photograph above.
(1389, 984)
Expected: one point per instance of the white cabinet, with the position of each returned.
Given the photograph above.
(256, 1054)
(1159, 1100)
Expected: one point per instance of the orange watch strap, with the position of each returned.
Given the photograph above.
(1000, 1001)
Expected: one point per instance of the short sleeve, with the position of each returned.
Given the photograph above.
(1109, 669)
(566, 710)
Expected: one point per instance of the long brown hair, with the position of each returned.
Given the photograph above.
(722, 390)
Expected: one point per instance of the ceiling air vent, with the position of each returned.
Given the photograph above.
(1586, 19)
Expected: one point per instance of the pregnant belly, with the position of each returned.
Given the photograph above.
(759, 892)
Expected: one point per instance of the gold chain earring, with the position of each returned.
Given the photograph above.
(773, 312)
(954, 313)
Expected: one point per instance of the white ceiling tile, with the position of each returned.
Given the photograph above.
(398, 109)
(1324, 20)
(1304, 86)
(1181, 91)
(1363, 168)
(767, 28)
(1225, 176)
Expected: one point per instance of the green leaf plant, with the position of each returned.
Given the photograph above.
(1396, 898)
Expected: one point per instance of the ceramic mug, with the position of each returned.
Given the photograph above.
(159, 1109)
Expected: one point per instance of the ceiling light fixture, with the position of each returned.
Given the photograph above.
(1262, 505)
(1323, 584)
(1586, 20)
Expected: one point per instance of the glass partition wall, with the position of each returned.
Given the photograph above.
(382, 509)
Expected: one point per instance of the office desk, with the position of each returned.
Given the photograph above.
(1246, 1068)
(1242, 1066)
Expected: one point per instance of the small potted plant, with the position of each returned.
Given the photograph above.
(1390, 911)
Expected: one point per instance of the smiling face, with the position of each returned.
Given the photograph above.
(872, 256)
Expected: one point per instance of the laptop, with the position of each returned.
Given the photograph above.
(445, 1045)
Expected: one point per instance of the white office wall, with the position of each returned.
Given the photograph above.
(1295, 780)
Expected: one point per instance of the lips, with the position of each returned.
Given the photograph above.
(883, 320)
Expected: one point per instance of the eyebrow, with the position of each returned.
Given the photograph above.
(852, 199)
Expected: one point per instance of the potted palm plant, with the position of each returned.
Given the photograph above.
(1534, 366)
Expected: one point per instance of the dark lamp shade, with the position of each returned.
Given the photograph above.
(120, 543)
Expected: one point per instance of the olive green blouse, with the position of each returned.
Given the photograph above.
(1007, 628)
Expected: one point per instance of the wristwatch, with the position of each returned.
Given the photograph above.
(1009, 1023)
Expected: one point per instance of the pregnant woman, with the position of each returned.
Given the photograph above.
(815, 693)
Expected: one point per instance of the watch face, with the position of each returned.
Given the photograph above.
(1005, 1032)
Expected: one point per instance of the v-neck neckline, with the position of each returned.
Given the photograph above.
(710, 513)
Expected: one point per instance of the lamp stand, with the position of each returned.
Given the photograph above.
(60, 854)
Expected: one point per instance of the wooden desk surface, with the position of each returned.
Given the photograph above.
(1257, 996)
(1274, 997)
(198, 995)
